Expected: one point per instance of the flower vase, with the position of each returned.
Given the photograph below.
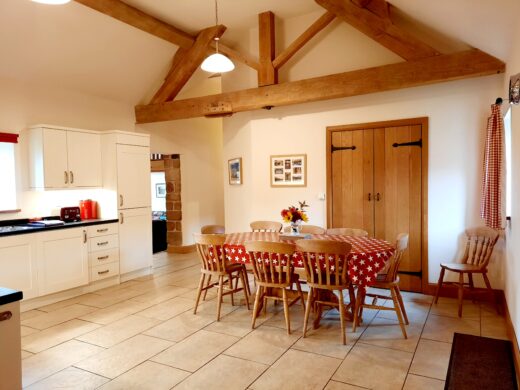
(295, 227)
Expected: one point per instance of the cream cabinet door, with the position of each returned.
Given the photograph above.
(133, 176)
(18, 264)
(135, 239)
(84, 159)
(55, 167)
(62, 260)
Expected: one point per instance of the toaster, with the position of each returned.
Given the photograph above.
(70, 214)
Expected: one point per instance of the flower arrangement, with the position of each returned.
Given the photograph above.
(294, 214)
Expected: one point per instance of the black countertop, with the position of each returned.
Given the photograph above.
(8, 296)
(36, 229)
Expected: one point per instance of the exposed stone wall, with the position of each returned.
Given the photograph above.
(172, 173)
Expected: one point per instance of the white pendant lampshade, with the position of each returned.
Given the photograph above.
(54, 2)
(217, 63)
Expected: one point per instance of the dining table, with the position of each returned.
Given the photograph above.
(367, 257)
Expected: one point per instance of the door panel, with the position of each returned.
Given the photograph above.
(84, 157)
(55, 158)
(133, 176)
(135, 239)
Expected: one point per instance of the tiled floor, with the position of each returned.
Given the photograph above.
(143, 335)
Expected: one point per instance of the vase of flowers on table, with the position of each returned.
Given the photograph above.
(295, 216)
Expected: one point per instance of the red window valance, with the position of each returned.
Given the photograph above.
(9, 137)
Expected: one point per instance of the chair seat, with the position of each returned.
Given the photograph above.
(459, 267)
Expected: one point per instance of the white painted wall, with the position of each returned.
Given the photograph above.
(158, 204)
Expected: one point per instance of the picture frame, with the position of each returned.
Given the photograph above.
(288, 170)
(235, 171)
(160, 190)
(514, 89)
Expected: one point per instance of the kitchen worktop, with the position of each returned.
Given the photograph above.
(20, 226)
(8, 296)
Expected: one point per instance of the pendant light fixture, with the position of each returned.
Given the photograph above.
(217, 63)
(53, 2)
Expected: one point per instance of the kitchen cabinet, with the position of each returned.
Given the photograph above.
(62, 158)
(135, 239)
(133, 176)
(103, 251)
(18, 265)
(62, 260)
(11, 348)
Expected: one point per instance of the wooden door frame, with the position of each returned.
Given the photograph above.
(423, 121)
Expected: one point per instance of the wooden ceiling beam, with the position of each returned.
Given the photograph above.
(132, 16)
(322, 22)
(184, 66)
(447, 67)
(235, 55)
(267, 74)
(380, 29)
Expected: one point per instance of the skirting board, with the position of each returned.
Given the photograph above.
(181, 248)
(512, 336)
(451, 291)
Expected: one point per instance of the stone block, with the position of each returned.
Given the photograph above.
(174, 238)
(177, 206)
(174, 215)
(178, 226)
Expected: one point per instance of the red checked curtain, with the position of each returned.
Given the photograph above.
(492, 205)
(9, 138)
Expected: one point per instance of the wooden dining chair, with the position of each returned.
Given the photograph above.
(332, 277)
(273, 271)
(480, 243)
(213, 263)
(213, 229)
(347, 232)
(266, 226)
(307, 229)
(388, 281)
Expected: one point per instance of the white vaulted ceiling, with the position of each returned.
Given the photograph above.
(74, 47)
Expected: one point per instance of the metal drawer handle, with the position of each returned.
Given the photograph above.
(103, 272)
(66, 177)
(102, 230)
(6, 315)
(103, 257)
(71, 177)
(102, 243)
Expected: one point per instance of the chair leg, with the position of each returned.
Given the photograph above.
(461, 292)
(401, 304)
(352, 295)
(207, 287)
(471, 287)
(199, 292)
(243, 277)
(286, 310)
(341, 309)
(300, 293)
(307, 311)
(255, 306)
(491, 293)
(439, 284)
(244, 271)
(398, 311)
(359, 298)
(231, 288)
(219, 298)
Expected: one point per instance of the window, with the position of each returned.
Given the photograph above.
(507, 136)
(7, 172)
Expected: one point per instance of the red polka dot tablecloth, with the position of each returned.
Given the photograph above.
(367, 257)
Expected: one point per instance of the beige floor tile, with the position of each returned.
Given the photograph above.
(168, 309)
(118, 331)
(49, 362)
(387, 333)
(26, 354)
(147, 376)
(71, 378)
(414, 382)
(223, 372)
(326, 340)
(277, 319)
(298, 370)
(442, 328)
(56, 335)
(237, 323)
(115, 312)
(264, 345)
(487, 309)
(59, 316)
(417, 311)
(180, 327)
(26, 331)
(120, 358)
(160, 294)
(102, 301)
(62, 304)
(195, 351)
(30, 314)
(416, 297)
(333, 385)
(495, 327)
(431, 359)
(451, 309)
(117, 287)
(374, 367)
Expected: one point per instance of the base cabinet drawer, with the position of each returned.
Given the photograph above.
(102, 230)
(104, 271)
(103, 257)
(102, 243)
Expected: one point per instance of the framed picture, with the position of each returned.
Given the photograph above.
(289, 170)
(160, 190)
(235, 171)
(514, 89)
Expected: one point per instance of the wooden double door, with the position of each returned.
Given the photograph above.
(377, 182)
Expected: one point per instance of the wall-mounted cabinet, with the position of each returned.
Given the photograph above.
(63, 158)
